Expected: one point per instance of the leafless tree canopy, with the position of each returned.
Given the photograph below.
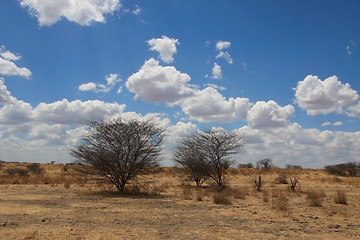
(119, 150)
(188, 156)
(265, 163)
(216, 147)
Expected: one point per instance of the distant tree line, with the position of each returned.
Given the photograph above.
(344, 169)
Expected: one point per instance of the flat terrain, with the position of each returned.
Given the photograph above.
(59, 205)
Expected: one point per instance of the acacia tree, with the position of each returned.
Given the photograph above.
(119, 150)
(188, 156)
(265, 163)
(215, 148)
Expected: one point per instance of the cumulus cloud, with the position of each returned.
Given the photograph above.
(8, 67)
(220, 45)
(324, 124)
(156, 83)
(165, 46)
(83, 12)
(76, 112)
(323, 97)
(226, 56)
(111, 80)
(5, 95)
(269, 114)
(216, 71)
(208, 105)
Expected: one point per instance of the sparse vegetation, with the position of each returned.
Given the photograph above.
(35, 168)
(222, 198)
(245, 165)
(258, 181)
(293, 183)
(340, 197)
(315, 197)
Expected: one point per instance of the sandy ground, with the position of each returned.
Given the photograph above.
(86, 211)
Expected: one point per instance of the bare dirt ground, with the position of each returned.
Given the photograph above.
(67, 208)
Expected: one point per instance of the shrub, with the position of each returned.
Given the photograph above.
(239, 193)
(258, 183)
(340, 197)
(245, 165)
(315, 198)
(18, 171)
(187, 193)
(291, 166)
(35, 168)
(222, 198)
(280, 201)
(282, 179)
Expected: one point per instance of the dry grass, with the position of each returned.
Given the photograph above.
(315, 197)
(223, 198)
(61, 204)
(280, 200)
(340, 197)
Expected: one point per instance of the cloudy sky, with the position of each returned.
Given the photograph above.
(283, 74)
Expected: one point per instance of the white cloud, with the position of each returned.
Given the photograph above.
(7, 55)
(5, 95)
(87, 87)
(226, 56)
(137, 10)
(165, 46)
(208, 105)
(324, 124)
(76, 112)
(156, 83)
(83, 12)
(269, 114)
(222, 88)
(348, 50)
(8, 67)
(111, 80)
(294, 145)
(216, 71)
(323, 97)
(220, 45)
(337, 124)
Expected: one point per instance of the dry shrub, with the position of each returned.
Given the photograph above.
(222, 198)
(187, 193)
(265, 196)
(281, 179)
(280, 200)
(35, 168)
(200, 195)
(315, 197)
(239, 193)
(340, 197)
(67, 185)
(233, 171)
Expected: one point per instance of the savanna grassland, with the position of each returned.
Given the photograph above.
(53, 201)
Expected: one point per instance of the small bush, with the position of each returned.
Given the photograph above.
(187, 193)
(17, 171)
(35, 168)
(239, 193)
(280, 201)
(315, 198)
(291, 166)
(340, 197)
(222, 198)
(245, 165)
(282, 179)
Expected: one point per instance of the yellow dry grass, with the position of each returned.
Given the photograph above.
(162, 206)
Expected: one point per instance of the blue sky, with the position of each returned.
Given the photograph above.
(283, 74)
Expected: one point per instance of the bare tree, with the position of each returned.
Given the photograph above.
(215, 147)
(188, 156)
(265, 163)
(119, 150)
